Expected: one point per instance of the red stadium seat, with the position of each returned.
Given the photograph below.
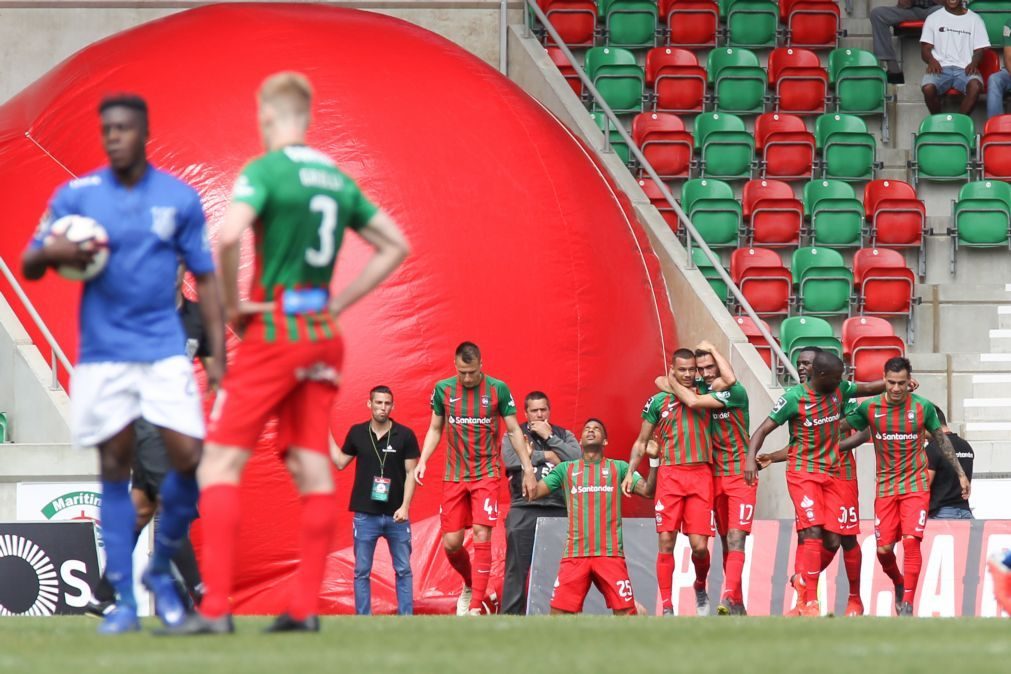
(810, 23)
(763, 280)
(773, 214)
(677, 80)
(896, 218)
(907, 29)
(659, 202)
(666, 145)
(988, 65)
(884, 284)
(691, 23)
(995, 148)
(870, 355)
(785, 147)
(863, 326)
(755, 337)
(798, 82)
(565, 68)
(575, 21)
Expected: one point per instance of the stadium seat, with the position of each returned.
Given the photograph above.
(835, 214)
(618, 144)
(656, 197)
(995, 13)
(617, 76)
(824, 282)
(714, 211)
(799, 332)
(677, 81)
(859, 84)
(575, 21)
(755, 337)
(750, 23)
(662, 138)
(629, 23)
(863, 326)
(811, 23)
(944, 148)
(786, 149)
(691, 23)
(772, 214)
(561, 62)
(763, 280)
(868, 342)
(716, 281)
(848, 151)
(737, 80)
(884, 284)
(981, 217)
(726, 149)
(798, 82)
(896, 218)
(995, 148)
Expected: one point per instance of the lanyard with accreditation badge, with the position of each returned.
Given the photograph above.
(380, 483)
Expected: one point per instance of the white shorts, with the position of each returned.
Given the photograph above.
(106, 397)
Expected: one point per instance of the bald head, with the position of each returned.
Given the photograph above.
(827, 371)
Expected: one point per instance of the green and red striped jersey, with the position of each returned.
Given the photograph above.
(846, 469)
(899, 434)
(303, 203)
(814, 426)
(593, 499)
(728, 429)
(683, 433)
(472, 417)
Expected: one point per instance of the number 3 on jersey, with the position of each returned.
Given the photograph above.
(327, 208)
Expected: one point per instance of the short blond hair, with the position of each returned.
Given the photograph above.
(288, 92)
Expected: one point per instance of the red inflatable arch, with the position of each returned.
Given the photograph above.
(520, 241)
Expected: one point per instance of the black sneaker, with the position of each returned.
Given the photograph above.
(897, 78)
(99, 608)
(285, 623)
(195, 623)
(737, 609)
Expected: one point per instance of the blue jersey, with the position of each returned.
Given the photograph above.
(128, 312)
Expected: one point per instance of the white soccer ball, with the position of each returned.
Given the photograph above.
(83, 231)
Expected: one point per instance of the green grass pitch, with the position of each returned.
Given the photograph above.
(388, 645)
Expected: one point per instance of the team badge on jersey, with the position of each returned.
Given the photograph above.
(486, 401)
(163, 221)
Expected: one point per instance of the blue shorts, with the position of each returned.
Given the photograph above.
(950, 77)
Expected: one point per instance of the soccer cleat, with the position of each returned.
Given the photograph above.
(900, 592)
(811, 609)
(854, 607)
(474, 611)
(723, 608)
(463, 603)
(120, 621)
(285, 623)
(905, 609)
(167, 602)
(668, 610)
(195, 624)
(99, 608)
(737, 608)
(1001, 575)
(702, 607)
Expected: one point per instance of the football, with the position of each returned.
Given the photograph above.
(83, 231)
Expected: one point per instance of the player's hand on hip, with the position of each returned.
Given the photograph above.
(401, 514)
(419, 473)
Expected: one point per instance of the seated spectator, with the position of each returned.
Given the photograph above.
(999, 83)
(952, 45)
(884, 19)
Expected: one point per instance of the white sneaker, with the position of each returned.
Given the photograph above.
(463, 603)
(474, 611)
(702, 607)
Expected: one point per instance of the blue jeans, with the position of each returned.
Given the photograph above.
(952, 513)
(368, 529)
(998, 85)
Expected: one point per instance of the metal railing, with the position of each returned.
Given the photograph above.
(694, 238)
(56, 355)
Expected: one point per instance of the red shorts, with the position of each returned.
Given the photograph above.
(842, 507)
(297, 381)
(808, 491)
(609, 574)
(733, 503)
(465, 504)
(684, 499)
(900, 515)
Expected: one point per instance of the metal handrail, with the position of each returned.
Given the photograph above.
(777, 351)
(56, 354)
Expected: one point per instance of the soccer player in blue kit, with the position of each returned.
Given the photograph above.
(132, 361)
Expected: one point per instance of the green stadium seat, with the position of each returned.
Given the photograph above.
(716, 281)
(629, 23)
(995, 13)
(750, 23)
(859, 83)
(714, 211)
(847, 150)
(737, 79)
(618, 143)
(944, 148)
(981, 217)
(824, 282)
(835, 213)
(617, 76)
(799, 332)
(726, 150)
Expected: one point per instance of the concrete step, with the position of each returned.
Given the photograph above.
(1000, 340)
(987, 430)
(20, 461)
(991, 456)
(1004, 316)
(986, 409)
(991, 385)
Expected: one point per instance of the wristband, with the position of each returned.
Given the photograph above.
(654, 462)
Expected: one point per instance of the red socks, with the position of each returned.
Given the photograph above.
(319, 514)
(811, 550)
(460, 560)
(701, 563)
(665, 577)
(482, 569)
(734, 570)
(826, 558)
(219, 517)
(890, 566)
(911, 563)
(853, 558)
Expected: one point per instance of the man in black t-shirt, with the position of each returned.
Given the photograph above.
(387, 454)
(946, 501)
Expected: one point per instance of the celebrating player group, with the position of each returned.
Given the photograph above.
(703, 467)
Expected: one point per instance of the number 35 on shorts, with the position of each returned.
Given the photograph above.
(847, 515)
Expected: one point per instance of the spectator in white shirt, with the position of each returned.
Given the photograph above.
(952, 44)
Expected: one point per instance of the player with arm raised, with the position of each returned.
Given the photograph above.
(684, 495)
(473, 403)
(593, 550)
(898, 422)
(298, 204)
